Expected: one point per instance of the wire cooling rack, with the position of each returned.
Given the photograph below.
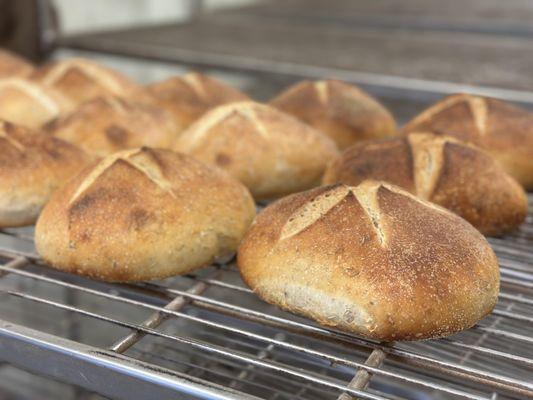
(205, 335)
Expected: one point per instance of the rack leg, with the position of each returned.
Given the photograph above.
(362, 377)
(157, 318)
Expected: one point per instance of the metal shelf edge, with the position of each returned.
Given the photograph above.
(242, 63)
(102, 371)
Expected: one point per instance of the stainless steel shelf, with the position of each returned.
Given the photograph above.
(351, 42)
(509, 18)
(205, 335)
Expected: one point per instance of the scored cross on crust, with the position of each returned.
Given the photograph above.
(92, 71)
(116, 104)
(476, 104)
(428, 159)
(321, 89)
(244, 109)
(313, 210)
(31, 90)
(4, 135)
(138, 159)
(478, 108)
(365, 193)
(194, 81)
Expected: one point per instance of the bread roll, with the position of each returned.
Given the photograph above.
(143, 214)
(32, 166)
(108, 124)
(30, 104)
(12, 65)
(502, 129)
(344, 112)
(189, 96)
(80, 80)
(442, 170)
(373, 260)
(272, 153)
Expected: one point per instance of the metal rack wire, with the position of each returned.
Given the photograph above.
(205, 335)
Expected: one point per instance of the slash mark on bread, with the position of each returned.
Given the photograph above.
(195, 83)
(428, 159)
(244, 109)
(33, 91)
(93, 72)
(138, 159)
(321, 88)
(477, 106)
(313, 210)
(4, 135)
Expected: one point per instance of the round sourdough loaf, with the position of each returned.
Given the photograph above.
(30, 104)
(504, 130)
(32, 166)
(342, 111)
(143, 214)
(443, 170)
(189, 96)
(108, 124)
(373, 260)
(272, 153)
(12, 65)
(80, 80)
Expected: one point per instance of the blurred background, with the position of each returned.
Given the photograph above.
(407, 53)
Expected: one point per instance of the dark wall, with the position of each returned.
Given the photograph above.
(27, 27)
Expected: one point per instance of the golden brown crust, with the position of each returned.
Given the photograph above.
(344, 112)
(189, 96)
(80, 80)
(504, 130)
(440, 169)
(12, 65)
(272, 153)
(32, 166)
(372, 260)
(143, 214)
(30, 104)
(108, 124)
(388, 160)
